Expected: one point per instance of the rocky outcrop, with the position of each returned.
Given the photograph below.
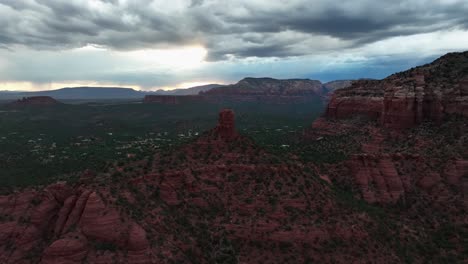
(363, 98)
(378, 178)
(226, 128)
(384, 179)
(338, 84)
(406, 99)
(74, 224)
(100, 223)
(35, 101)
(72, 248)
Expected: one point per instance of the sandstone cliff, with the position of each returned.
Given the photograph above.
(405, 99)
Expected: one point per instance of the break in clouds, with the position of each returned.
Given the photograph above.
(254, 37)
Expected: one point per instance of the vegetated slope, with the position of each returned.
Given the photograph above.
(219, 199)
(410, 155)
(39, 145)
(417, 176)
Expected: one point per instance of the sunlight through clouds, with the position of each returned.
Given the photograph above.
(160, 44)
(179, 58)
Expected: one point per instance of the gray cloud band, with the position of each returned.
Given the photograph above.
(254, 28)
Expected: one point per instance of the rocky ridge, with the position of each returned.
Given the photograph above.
(274, 90)
(405, 99)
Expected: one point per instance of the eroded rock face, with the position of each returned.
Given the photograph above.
(100, 223)
(378, 178)
(226, 125)
(387, 179)
(406, 99)
(74, 225)
(72, 248)
(361, 99)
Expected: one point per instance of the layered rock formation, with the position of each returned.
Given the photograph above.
(72, 221)
(338, 84)
(405, 99)
(363, 98)
(415, 178)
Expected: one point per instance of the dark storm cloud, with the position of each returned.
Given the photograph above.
(255, 28)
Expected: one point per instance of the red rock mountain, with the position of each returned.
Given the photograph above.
(258, 90)
(270, 86)
(273, 90)
(405, 99)
(417, 176)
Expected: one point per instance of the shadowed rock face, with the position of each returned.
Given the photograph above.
(271, 87)
(73, 220)
(35, 100)
(226, 127)
(268, 90)
(406, 99)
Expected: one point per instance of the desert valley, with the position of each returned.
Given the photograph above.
(374, 170)
(233, 132)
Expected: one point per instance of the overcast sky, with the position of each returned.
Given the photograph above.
(165, 44)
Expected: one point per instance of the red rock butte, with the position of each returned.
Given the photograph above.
(226, 126)
(36, 100)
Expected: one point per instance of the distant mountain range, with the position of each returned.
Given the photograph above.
(245, 86)
(101, 93)
(79, 93)
(189, 91)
